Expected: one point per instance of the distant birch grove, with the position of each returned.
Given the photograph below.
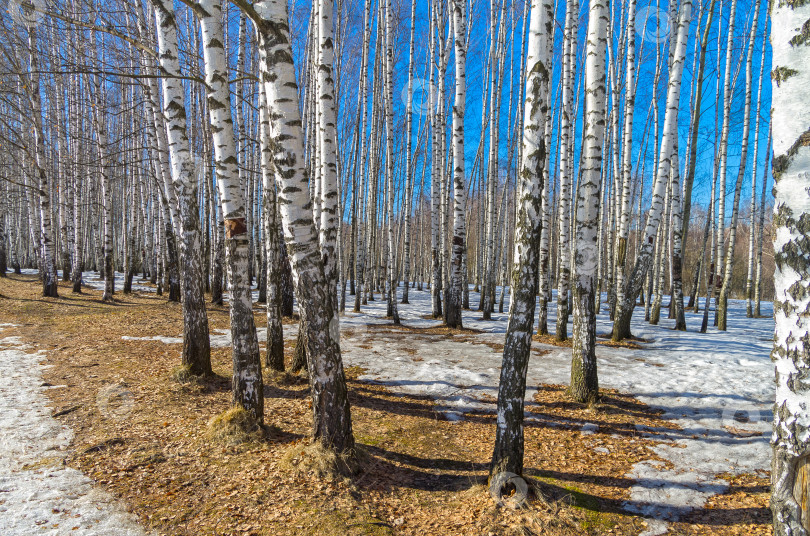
(547, 164)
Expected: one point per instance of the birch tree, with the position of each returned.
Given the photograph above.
(722, 306)
(584, 382)
(327, 137)
(105, 172)
(692, 159)
(274, 357)
(760, 229)
(790, 469)
(644, 258)
(332, 425)
(389, 160)
(507, 454)
(50, 281)
(623, 228)
(247, 383)
(196, 344)
(728, 96)
(566, 167)
(754, 228)
(452, 309)
(409, 162)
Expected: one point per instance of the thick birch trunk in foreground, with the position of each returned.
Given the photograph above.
(624, 309)
(330, 403)
(790, 469)
(508, 452)
(196, 345)
(247, 385)
(584, 382)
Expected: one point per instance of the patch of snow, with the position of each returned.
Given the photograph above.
(93, 280)
(164, 340)
(589, 428)
(39, 494)
(717, 387)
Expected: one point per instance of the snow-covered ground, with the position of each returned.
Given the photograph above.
(718, 387)
(91, 280)
(39, 494)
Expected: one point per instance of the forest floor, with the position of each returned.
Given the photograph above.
(426, 434)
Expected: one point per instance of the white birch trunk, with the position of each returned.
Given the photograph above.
(452, 310)
(274, 358)
(388, 83)
(247, 382)
(566, 168)
(623, 227)
(196, 344)
(624, 309)
(722, 307)
(106, 193)
(409, 162)
(508, 451)
(330, 404)
(584, 382)
(327, 131)
(47, 268)
(728, 96)
(752, 234)
(790, 470)
(760, 230)
(435, 181)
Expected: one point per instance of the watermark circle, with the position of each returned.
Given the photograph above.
(653, 25)
(334, 328)
(115, 401)
(200, 168)
(586, 259)
(735, 417)
(26, 13)
(423, 94)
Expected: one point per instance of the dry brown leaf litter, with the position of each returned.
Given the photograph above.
(420, 474)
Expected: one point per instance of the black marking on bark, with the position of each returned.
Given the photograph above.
(782, 162)
(779, 74)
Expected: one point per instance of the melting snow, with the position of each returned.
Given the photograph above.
(718, 387)
(39, 494)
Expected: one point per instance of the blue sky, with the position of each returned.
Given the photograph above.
(645, 46)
